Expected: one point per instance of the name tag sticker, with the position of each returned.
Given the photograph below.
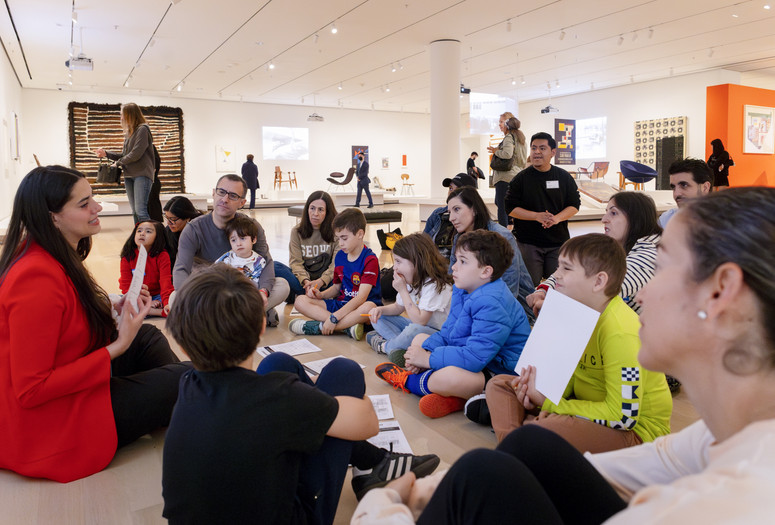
(552, 185)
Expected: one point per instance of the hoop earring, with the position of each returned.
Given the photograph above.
(702, 314)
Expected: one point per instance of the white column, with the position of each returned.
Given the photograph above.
(445, 113)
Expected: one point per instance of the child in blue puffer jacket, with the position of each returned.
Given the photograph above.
(483, 335)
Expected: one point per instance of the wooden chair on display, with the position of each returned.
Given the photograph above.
(407, 187)
(278, 179)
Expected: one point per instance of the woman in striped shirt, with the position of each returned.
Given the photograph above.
(631, 219)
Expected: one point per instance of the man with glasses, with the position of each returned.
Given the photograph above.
(204, 240)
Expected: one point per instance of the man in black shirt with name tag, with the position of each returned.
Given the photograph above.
(542, 198)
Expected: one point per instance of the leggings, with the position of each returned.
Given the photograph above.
(534, 476)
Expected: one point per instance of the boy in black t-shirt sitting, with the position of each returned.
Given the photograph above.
(246, 447)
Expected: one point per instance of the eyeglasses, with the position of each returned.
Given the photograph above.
(171, 220)
(232, 196)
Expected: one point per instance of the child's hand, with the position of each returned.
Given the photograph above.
(417, 356)
(399, 283)
(314, 293)
(527, 393)
(155, 304)
(167, 310)
(374, 314)
(328, 327)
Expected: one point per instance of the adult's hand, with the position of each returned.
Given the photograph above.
(100, 152)
(129, 324)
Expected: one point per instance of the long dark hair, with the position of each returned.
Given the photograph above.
(326, 227)
(43, 191)
(182, 208)
(641, 213)
(471, 198)
(158, 246)
(429, 265)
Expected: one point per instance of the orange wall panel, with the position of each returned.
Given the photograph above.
(724, 119)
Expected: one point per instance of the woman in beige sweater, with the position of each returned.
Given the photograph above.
(312, 247)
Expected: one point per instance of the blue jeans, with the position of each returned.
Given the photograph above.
(399, 331)
(284, 271)
(322, 475)
(501, 188)
(137, 191)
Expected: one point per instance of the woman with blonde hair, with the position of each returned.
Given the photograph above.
(508, 159)
(136, 160)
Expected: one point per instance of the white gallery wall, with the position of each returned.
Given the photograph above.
(208, 124)
(10, 104)
(622, 106)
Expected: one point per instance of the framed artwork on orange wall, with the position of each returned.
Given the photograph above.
(758, 133)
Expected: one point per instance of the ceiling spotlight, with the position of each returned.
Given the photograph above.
(180, 86)
(548, 85)
(340, 86)
(126, 82)
(522, 80)
(557, 83)
(766, 6)
(513, 82)
(508, 26)
(74, 16)
(562, 34)
(651, 32)
(621, 40)
(334, 30)
(400, 66)
(271, 65)
(392, 68)
(176, 2)
(315, 38)
(387, 88)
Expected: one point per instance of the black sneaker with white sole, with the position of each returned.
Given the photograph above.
(476, 410)
(393, 466)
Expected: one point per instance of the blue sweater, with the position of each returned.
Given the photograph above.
(485, 329)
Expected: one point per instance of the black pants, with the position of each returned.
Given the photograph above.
(501, 188)
(144, 385)
(540, 262)
(252, 197)
(363, 184)
(534, 476)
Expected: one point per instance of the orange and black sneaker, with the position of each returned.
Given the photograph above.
(393, 374)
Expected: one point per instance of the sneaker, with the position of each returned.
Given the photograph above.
(393, 466)
(395, 375)
(477, 411)
(376, 341)
(272, 318)
(435, 405)
(673, 384)
(397, 357)
(304, 327)
(355, 331)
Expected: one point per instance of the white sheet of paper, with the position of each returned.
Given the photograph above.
(133, 294)
(297, 347)
(382, 406)
(391, 437)
(557, 342)
(315, 367)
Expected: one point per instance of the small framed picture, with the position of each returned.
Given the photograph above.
(385, 163)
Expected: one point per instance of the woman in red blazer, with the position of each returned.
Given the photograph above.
(73, 385)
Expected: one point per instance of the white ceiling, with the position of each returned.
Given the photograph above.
(222, 49)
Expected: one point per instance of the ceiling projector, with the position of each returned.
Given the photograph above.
(315, 118)
(550, 109)
(81, 63)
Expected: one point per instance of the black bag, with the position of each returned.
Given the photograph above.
(108, 173)
(315, 266)
(499, 164)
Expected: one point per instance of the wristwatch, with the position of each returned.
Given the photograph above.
(333, 319)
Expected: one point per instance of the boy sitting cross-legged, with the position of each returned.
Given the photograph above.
(248, 446)
(483, 335)
(611, 402)
(355, 286)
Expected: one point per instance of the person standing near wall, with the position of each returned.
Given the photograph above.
(719, 163)
(363, 181)
(136, 160)
(511, 147)
(250, 174)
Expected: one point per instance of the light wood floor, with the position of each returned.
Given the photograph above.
(128, 491)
